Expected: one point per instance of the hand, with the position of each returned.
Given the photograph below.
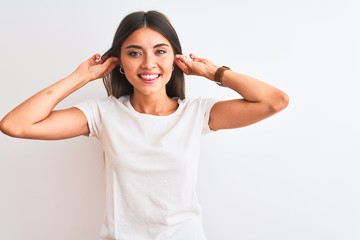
(96, 67)
(196, 66)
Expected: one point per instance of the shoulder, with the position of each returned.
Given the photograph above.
(199, 102)
(102, 105)
(110, 100)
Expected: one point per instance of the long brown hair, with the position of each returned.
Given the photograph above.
(116, 84)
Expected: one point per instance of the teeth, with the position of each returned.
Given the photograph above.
(149, 77)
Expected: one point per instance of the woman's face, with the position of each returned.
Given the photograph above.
(147, 59)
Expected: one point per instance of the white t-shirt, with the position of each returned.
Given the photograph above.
(151, 168)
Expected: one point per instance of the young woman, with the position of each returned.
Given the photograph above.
(149, 131)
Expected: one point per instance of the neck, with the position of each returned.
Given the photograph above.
(159, 105)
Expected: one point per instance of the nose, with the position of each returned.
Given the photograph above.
(149, 62)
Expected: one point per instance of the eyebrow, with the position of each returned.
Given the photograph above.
(156, 46)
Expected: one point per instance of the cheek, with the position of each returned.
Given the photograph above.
(126, 61)
(129, 66)
(168, 64)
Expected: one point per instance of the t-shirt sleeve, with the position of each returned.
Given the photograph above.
(91, 110)
(207, 104)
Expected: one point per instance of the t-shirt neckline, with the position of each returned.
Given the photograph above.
(132, 109)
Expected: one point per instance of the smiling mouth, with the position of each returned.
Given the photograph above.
(149, 78)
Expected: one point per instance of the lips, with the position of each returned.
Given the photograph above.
(149, 77)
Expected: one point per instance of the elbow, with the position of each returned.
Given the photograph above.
(281, 101)
(8, 128)
(3, 127)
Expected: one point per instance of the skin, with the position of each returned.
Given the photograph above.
(145, 52)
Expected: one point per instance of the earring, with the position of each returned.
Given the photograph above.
(121, 70)
(173, 68)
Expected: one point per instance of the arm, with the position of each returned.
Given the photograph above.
(259, 100)
(36, 118)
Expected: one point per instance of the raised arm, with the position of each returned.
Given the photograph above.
(259, 99)
(36, 118)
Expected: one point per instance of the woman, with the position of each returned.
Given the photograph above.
(149, 131)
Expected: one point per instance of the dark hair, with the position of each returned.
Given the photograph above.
(116, 84)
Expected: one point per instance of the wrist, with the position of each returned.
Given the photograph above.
(79, 78)
(218, 76)
(211, 73)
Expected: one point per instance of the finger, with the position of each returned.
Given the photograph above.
(192, 56)
(182, 66)
(183, 59)
(110, 63)
(180, 63)
(196, 58)
(103, 58)
(95, 57)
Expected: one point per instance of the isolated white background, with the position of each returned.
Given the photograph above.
(294, 176)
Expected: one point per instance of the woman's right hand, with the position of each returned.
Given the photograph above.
(36, 118)
(96, 67)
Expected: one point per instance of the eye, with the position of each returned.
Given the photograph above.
(160, 52)
(134, 54)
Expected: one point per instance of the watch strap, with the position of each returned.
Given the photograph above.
(219, 75)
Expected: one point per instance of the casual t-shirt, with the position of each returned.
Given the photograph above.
(151, 168)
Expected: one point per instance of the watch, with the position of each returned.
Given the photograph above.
(219, 74)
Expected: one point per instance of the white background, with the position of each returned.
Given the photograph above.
(294, 176)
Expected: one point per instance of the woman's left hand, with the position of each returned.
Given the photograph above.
(196, 66)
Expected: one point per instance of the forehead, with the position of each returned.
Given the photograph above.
(145, 37)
